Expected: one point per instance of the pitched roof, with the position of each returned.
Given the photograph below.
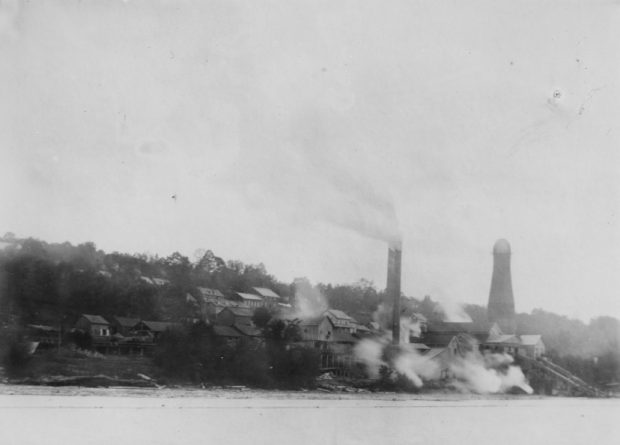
(126, 322)
(146, 279)
(249, 330)
(160, 281)
(434, 353)
(226, 331)
(159, 326)
(97, 319)
(40, 327)
(336, 313)
(419, 346)
(530, 339)
(340, 319)
(315, 321)
(506, 339)
(241, 311)
(210, 293)
(265, 292)
(246, 296)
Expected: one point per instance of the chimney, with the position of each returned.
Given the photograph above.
(393, 287)
(501, 307)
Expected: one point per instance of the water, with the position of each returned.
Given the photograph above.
(35, 415)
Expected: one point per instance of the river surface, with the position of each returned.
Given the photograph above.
(118, 416)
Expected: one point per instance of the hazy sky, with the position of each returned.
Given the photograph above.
(299, 134)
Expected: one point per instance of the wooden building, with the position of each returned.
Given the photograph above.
(97, 326)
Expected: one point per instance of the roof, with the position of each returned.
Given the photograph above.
(311, 321)
(146, 279)
(530, 340)
(208, 292)
(126, 322)
(225, 331)
(248, 330)
(339, 314)
(504, 339)
(97, 319)
(246, 296)
(340, 319)
(160, 281)
(159, 326)
(266, 293)
(40, 327)
(420, 346)
(434, 352)
(241, 311)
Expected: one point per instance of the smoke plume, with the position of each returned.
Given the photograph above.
(309, 301)
(451, 311)
(369, 352)
(487, 374)
(405, 360)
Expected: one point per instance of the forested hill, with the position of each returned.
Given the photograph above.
(49, 283)
(53, 283)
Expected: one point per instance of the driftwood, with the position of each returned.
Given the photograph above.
(90, 381)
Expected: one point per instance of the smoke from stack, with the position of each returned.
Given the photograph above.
(501, 307)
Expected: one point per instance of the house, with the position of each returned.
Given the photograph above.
(209, 302)
(123, 325)
(227, 333)
(97, 326)
(341, 321)
(207, 294)
(270, 298)
(248, 300)
(333, 327)
(154, 328)
(507, 343)
(532, 346)
(231, 315)
(239, 318)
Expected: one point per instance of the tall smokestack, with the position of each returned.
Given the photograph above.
(393, 287)
(501, 308)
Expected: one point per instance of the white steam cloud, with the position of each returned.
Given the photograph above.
(452, 312)
(405, 361)
(309, 301)
(487, 374)
(473, 372)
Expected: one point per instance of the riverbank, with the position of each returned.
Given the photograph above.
(95, 416)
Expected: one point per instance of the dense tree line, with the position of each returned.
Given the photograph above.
(50, 283)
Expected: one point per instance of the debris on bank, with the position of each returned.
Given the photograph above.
(95, 381)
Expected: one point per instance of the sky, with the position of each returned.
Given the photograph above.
(307, 135)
